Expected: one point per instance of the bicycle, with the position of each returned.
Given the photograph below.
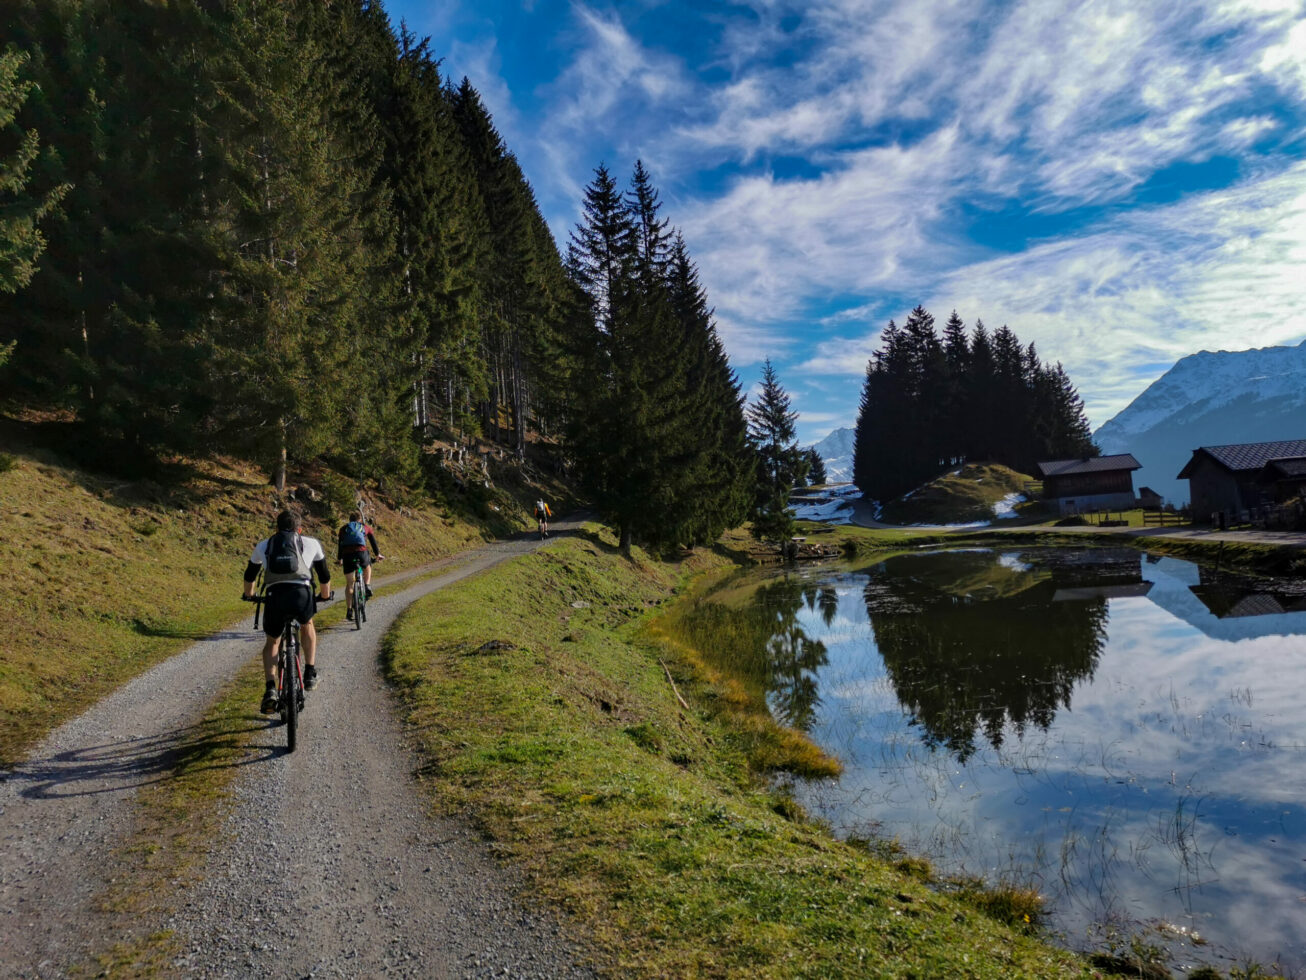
(359, 595)
(290, 672)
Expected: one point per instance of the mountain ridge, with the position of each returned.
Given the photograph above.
(1206, 399)
(836, 451)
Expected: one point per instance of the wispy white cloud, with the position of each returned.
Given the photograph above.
(904, 115)
(1219, 271)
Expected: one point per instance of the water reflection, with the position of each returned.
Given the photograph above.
(1081, 721)
(973, 643)
(731, 634)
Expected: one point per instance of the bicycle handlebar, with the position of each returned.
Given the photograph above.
(258, 598)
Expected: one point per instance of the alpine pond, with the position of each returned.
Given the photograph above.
(1122, 732)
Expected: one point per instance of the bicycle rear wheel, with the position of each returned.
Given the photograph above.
(290, 688)
(360, 600)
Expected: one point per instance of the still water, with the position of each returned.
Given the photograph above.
(1124, 732)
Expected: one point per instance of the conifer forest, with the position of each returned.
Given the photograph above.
(279, 231)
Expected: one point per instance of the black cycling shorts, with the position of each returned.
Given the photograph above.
(359, 559)
(286, 602)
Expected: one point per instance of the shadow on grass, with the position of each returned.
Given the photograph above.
(118, 766)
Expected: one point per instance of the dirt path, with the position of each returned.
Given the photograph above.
(330, 864)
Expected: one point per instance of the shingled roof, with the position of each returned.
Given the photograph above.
(1290, 467)
(1245, 456)
(1093, 464)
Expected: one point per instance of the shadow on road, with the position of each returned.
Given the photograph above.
(119, 766)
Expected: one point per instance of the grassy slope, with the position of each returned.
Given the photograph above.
(541, 694)
(963, 495)
(111, 576)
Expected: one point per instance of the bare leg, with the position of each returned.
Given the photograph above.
(270, 646)
(349, 589)
(308, 640)
(367, 575)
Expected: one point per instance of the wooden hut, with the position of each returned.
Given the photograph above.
(1227, 479)
(1076, 486)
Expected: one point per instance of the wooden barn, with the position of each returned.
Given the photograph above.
(1149, 499)
(1284, 478)
(1228, 479)
(1076, 486)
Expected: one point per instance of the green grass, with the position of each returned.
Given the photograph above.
(644, 822)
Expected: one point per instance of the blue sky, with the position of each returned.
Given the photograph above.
(1122, 183)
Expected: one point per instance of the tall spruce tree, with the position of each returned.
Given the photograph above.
(716, 461)
(656, 426)
(781, 463)
(21, 242)
(296, 261)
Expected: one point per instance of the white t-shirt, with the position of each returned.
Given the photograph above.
(312, 551)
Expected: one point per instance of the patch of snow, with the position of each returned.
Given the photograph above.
(1006, 507)
(1010, 559)
(829, 505)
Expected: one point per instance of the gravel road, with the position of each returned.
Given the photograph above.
(330, 864)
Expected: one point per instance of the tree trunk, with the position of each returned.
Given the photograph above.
(279, 474)
(625, 541)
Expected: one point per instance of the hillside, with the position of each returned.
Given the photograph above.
(975, 492)
(85, 541)
(1209, 399)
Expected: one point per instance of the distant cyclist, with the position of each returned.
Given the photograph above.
(289, 560)
(542, 514)
(354, 540)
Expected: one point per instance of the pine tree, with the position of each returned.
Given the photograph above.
(780, 462)
(296, 261)
(21, 242)
(114, 318)
(816, 475)
(716, 461)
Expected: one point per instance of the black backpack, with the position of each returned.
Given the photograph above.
(283, 554)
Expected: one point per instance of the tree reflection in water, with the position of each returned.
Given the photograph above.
(974, 641)
(783, 676)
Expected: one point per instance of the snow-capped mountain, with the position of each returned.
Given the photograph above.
(1209, 399)
(836, 451)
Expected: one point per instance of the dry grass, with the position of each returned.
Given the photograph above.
(966, 494)
(111, 576)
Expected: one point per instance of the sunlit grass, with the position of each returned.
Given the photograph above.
(645, 821)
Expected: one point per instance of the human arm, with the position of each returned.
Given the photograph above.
(323, 571)
(251, 576)
(253, 567)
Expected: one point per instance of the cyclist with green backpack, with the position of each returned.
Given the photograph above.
(354, 541)
(288, 560)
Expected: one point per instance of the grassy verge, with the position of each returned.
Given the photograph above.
(553, 710)
(1252, 557)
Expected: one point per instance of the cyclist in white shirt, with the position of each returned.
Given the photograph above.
(289, 559)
